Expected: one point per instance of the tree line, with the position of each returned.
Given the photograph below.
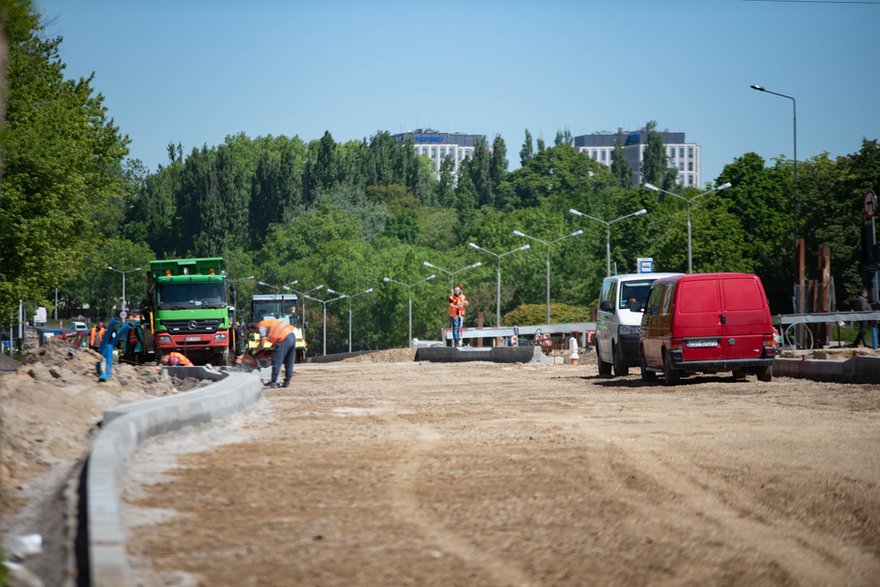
(347, 214)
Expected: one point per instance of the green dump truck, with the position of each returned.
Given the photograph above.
(187, 310)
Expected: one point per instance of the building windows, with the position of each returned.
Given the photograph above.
(604, 152)
(681, 152)
(442, 152)
(690, 152)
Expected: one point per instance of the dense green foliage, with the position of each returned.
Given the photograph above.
(345, 215)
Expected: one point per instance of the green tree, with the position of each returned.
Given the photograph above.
(620, 167)
(527, 150)
(497, 164)
(655, 169)
(62, 165)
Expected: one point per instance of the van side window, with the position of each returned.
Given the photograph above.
(605, 296)
(654, 299)
(668, 295)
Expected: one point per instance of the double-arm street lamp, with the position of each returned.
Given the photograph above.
(305, 294)
(350, 297)
(547, 245)
(795, 161)
(452, 274)
(324, 319)
(608, 224)
(123, 314)
(688, 201)
(409, 286)
(498, 282)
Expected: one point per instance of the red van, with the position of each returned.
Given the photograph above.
(707, 322)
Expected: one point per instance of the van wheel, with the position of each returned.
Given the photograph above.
(621, 369)
(648, 376)
(766, 374)
(670, 375)
(604, 368)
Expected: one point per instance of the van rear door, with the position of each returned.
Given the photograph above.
(746, 318)
(698, 319)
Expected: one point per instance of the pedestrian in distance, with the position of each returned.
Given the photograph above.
(573, 349)
(457, 304)
(861, 305)
(96, 335)
(280, 334)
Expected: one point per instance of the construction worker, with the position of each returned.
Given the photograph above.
(280, 334)
(96, 335)
(457, 305)
(175, 359)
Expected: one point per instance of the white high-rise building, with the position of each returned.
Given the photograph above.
(682, 156)
(437, 146)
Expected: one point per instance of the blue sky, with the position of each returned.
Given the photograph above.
(195, 71)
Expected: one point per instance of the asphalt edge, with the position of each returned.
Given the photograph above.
(125, 427)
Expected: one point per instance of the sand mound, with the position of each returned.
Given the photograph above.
(386, 356)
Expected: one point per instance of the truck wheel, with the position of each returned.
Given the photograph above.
(647, 376)
(670, 375)
(621, 369)
(604, 368)
(766, 374)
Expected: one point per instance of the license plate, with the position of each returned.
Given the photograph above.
(193, 339)
(701, 343)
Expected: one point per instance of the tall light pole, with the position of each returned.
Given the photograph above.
(688, 201)
(498, 283)
(123, 287)
(305, 294)
(794, 170)
(608, 224)
(452, 274)
(350, 297)
(324, 321)
(547, 245)
(410, 287)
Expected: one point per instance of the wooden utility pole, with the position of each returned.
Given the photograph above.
(824, 293)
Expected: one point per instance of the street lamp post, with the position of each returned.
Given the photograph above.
(324, 320)
(305, 294)
(688, 201)
(409, 287)
(452, 274)
(608, 224)
(498, 282)
(350, 297)
(794, 170)
(123, 272)
(547, 245)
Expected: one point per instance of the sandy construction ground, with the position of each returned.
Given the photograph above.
(401, 473)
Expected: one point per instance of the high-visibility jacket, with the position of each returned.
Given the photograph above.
(456, 305)
(178, 359)
(276, 330)
(96, 335)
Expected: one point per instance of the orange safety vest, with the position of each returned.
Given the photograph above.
(456, 305)
(96, 336)
(178, 359)
(278, 330)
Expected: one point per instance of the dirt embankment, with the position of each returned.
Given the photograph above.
(50, 408)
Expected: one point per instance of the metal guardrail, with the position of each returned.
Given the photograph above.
(823, 317)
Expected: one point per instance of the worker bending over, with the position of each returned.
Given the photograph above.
(175, 359)
(282, 336)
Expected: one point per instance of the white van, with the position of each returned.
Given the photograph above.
(618, 320)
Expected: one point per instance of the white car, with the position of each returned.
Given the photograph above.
(78, 325)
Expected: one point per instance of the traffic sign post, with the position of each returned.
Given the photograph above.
(870, 204)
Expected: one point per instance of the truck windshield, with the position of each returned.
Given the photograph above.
(634, 290)
(191, 295)
(275, 309)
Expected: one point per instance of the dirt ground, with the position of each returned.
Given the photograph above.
(50, 409)
(402, 473)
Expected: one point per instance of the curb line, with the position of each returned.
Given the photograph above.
(125, 427)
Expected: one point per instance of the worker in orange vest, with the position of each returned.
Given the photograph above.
(457, 305)
(96, 335)
(280, 334)
(176, 359)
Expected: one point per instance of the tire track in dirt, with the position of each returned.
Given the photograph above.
(408, 507)
(808, 555)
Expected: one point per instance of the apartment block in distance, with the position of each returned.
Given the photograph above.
(437, 146)
(682, 156)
